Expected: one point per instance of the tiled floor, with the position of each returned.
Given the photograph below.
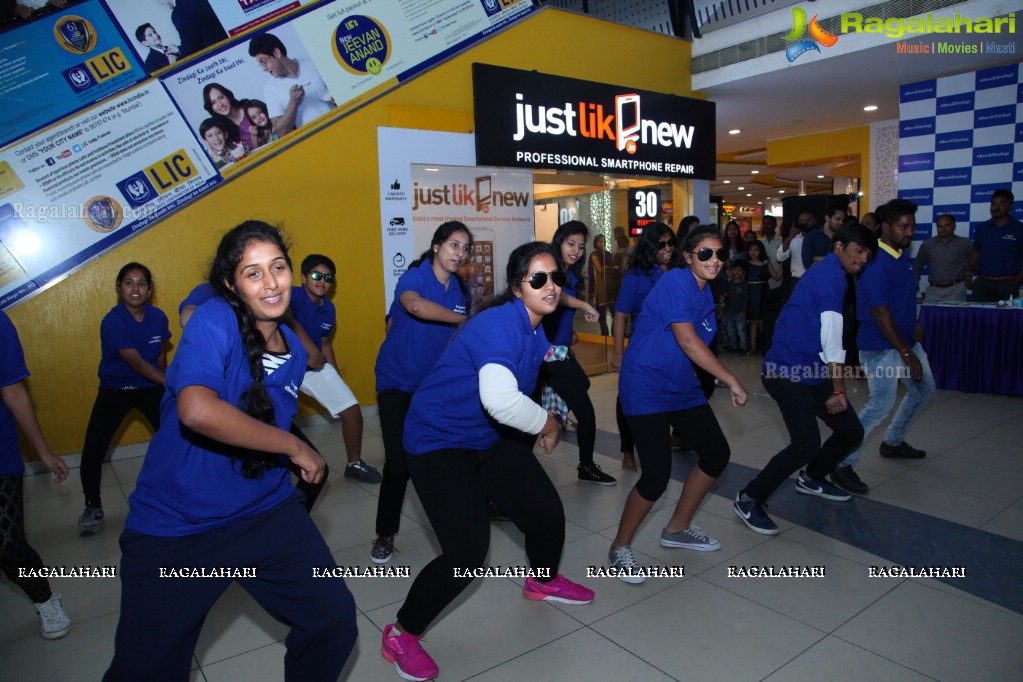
(962, 505)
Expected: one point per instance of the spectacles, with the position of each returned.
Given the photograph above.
(539, 279)
(316, 276)
(705, 254)
(668, 243)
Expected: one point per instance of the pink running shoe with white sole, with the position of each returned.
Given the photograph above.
(561, 589)
(408, 657)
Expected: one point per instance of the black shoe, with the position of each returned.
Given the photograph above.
(846, 479)
(591, 473)
(903, 450)
(496, 513)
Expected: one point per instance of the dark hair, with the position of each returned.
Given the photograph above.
(232, 133)
(208, 106)
(830, 210)
(760, 245)
(564, 231)
(140, 32)
(314, 259)
(945, 215)
(739, 263)
(1002, 192)
(856, 234)
(134, 266)
(644, 256)
(255, 401)
(441, 235)
(895, 209)
(686, 224)
(518, 268)
(266, 43)
(599, 235)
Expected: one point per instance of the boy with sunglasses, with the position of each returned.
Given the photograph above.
(317, 316)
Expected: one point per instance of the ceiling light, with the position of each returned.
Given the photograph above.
(748, 194)
(727, 182)
(740, 188)
(820, 177)
(781, 191)
(870, 107)
(734, 131)
(754, 172)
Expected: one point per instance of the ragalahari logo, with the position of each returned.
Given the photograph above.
(818, 36)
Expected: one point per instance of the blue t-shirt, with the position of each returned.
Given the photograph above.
(446, 411)
(886, 280)
(189, 484)
(412, 345)
(1001, 248)
(316, 320)
(120, 330)
(796, 345)
(815, 244)
(657, 376)
(558, 325)
(197, 296)
(12, 370)
(636, 286)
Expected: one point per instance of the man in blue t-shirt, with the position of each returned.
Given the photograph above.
(889, 340)
(817, 244)
(317, 316)
(804, 372)
(997, 252)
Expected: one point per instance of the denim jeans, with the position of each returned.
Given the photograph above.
(885, 369)
(735, 326)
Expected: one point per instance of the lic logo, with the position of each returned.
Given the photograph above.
(818, 36)
(136, 189)
(78, 78)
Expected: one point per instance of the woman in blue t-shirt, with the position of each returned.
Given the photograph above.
(561, 376)
(660, 391)
(214, 502)
(133, 337)
(430, 301)
(651, 259)
(466, 443)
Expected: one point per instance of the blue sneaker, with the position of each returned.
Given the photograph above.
(829, 491)
(753, 515)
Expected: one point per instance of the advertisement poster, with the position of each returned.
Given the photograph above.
(77, 189)
(367, 44)
(164, 31)
(236, 103)
(496, 204)
(61, 63)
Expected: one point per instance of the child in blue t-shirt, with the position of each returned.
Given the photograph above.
(16, 411)
(214, 502)
(133, 336)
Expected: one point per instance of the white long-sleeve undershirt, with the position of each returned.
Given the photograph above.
(502, 399)
(831, 337)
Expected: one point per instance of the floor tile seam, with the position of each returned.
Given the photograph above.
(524, 653)
(74, 622)
(985, 603)
(944, 453)
(654, 595)
(826, 551)
(942, 489)
(634, 654)
(886, 658)
(237, 655)
(823, 637)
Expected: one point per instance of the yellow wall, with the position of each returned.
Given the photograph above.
(826, 147)
(324, 191)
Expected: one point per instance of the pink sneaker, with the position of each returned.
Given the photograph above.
(408, 656)
(560, 589)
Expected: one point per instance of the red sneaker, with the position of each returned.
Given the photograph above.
(408, 657)
(561, 589)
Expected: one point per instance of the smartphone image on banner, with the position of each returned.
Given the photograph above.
(627, 116)
(484, 195)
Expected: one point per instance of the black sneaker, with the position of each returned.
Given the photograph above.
(591, 473)
(383, 548)
(363, 472)
(903, 450)
(811, 486)
(496, 513)
(846, 479)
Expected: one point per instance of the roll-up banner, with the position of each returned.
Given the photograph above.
(535, 120)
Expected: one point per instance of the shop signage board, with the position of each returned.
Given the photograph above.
(535, 120)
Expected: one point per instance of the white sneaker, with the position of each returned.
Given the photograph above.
(55, 621)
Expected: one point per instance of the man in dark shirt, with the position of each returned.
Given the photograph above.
(817, 244)
(997, 252)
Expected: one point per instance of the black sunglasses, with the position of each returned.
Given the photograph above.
(704, 254)
(316, 276)
(538, 279)
(669, 243)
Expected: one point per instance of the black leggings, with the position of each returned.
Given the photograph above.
(652, 433)
(569, 381)
(454, 486)
(310, 490)
(108, 413)
(393, 406)
(15, 552)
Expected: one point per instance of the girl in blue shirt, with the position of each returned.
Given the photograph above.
(214, 502)
(133, 337)
(660, 390)
(465, 440)
(430, 301)
(651, 259)
(561, 372)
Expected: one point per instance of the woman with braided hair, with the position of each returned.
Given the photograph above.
(214, 499)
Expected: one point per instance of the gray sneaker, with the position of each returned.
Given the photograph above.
(363, 472)
(91, 521)
(55, 621)
(690, 538)
(624, 562)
